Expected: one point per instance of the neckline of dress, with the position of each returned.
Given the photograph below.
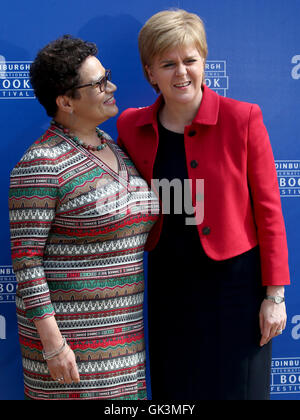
(121, 176)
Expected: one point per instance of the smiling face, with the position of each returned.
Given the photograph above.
(94, 107)
(179, 74)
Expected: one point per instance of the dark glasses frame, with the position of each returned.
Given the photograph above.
(102, 83)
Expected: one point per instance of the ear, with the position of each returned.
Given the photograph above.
(65, 104)
(150, 74)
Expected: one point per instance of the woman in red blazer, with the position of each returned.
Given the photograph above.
(216, 286)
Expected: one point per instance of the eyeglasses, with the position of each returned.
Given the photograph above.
(101, 83)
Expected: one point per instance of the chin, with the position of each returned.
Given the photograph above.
(188, 98)
(185, 101)
(112, 112)
(115, 111)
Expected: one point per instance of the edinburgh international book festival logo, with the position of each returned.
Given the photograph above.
(8, 287)
(14, 79)
(216, 76)
(288, 173)
(8, 284)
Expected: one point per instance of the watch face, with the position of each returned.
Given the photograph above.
(276, 299)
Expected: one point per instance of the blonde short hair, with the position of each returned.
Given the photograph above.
(169, 29)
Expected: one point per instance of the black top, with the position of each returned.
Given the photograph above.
(202, 314)
(171, 164)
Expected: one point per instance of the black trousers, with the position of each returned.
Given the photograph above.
(204, 328)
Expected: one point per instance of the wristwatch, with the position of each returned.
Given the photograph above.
(275, 299)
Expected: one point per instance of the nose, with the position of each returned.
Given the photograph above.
(110, 87)
(181, 69)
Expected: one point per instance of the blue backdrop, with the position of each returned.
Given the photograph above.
(254, 55)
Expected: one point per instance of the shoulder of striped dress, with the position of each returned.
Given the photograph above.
(44, 156)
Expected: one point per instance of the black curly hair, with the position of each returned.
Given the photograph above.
(54, 71)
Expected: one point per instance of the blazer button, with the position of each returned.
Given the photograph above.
(192, 133)
(194, 164)
(206, 230)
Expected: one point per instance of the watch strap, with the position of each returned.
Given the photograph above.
(275, 299)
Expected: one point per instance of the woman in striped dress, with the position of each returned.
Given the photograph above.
(80, 215)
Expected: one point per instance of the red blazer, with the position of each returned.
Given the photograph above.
(228, 146)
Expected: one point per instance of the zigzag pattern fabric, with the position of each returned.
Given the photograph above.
(78, 231)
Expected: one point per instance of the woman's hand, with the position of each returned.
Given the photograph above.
(272, 316)
(63, 368)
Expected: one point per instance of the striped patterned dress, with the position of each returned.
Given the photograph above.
(78, 231)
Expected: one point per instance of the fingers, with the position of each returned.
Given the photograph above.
(64, 370)
(71, 373)
(67, 376)
(75, 374)
(270, 331)
(265, 336)
(272, 320)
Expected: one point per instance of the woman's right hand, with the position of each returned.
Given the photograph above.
(63, 368)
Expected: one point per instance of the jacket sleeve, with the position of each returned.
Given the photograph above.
(262, 178)
(32, 202)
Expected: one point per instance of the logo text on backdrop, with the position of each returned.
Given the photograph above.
(14, 80)
(285, 375)
(8, 284)
(288, 173)
(216, 77)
